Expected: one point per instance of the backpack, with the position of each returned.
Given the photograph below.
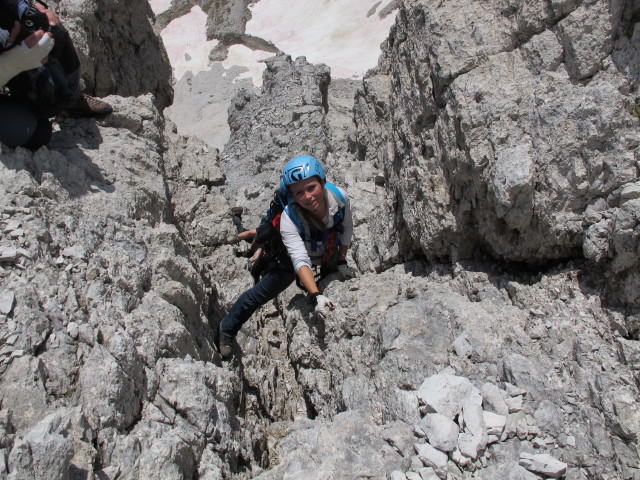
(268, 238)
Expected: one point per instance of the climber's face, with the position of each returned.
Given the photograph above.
(309, 194)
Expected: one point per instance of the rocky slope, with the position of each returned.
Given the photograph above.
(492, 158)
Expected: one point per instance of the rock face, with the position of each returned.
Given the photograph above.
(504, 136)
(288, 116)
(504, 131)
(119, 51)
(106, 297)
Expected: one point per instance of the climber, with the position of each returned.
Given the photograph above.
(43, 90)
(316, 227)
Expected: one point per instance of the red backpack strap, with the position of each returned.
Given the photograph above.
(276, 221)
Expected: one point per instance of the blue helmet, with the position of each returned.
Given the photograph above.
(300, 168)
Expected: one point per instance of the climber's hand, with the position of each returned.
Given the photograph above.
(323, 306)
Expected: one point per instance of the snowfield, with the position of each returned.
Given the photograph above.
(346, 36)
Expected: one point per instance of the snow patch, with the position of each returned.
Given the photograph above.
(252, 60)
(346, 36)
(159, 6)
(342, 35)
(186, 43)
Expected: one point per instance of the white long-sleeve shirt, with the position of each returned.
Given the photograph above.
(301, 251)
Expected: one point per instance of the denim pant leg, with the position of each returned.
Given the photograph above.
(271, 284)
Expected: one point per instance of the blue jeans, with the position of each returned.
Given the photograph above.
(271, 284)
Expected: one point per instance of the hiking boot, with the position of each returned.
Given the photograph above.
(226, 345)
(87, 106)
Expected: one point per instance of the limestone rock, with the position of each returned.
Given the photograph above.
(42, 452)
(397, 475)
(8, 254)
(118, 48)
(543, 464)
(493, 399)
(338, 445)
(7, 299)
(495, 423)
(465, 162)
(433, 458)
(447, 394)
(441, 431)
(24, 390)
(510, 470)
(110, 397)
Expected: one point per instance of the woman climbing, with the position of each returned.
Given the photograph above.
(316, 227)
